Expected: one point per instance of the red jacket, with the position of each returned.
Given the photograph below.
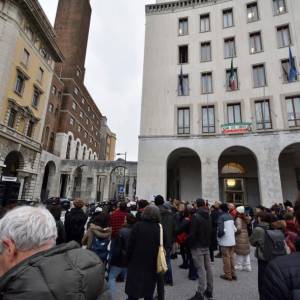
(117, 221)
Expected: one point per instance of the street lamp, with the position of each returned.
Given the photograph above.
(124, 178)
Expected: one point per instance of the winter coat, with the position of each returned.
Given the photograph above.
(226, 230)
(200, 231)
(291, 234)
(99, 232)
(119, 256)
(242, 238)
(282, 278)
(63, 272)
(169, 226)
(215, 214)
(257, 240)
(142, 259)
(75, 220)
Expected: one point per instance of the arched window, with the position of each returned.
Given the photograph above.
(77, 150)
(69, 148)
(51, 142)
(90, 155)
(95, 157)
(233, 168)
(83, 155)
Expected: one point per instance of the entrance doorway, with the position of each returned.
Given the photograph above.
(238, 177)
(184, 175)
(49, 176)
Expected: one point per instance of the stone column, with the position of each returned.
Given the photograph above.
(106, 186)
(130, 192)
(269, 179)
(210, 180)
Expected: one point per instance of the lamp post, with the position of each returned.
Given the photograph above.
(124, 177)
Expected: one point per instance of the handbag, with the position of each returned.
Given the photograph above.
(161, 257)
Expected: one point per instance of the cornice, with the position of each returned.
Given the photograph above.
(174, 6)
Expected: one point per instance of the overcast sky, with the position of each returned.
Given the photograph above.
(114, 64)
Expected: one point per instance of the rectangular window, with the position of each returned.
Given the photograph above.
(293, 111)
(229, 48)
(183, 85)
(255, 42)
(50, 108)
(183, 54)
(208, 119)
(263, 115)
(234, 113)
(25, 58)
(183, 26)
(36, 97)
(40, 75)
(20, 84)
(183, 120)
(259, 76)
(53, 90)
(30, 129)
(227, 18)
(206, 83)
(252, 12)
(12, 118)
(204, 23)
(228, 73)
(279, 7)
(74, 106)
(71, 121)
(205, 54)
(283, 36)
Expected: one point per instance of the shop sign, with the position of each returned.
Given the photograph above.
(9, 179)
(236, 128)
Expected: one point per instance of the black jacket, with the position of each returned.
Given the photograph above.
(200, 230)
(169, 226)
(142, 256)
(282, 278)
(75, 220)
(65, 272)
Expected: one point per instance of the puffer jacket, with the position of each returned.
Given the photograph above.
(65, 272)
(169, 226)
(242, 238)
(282, 278)
(257, 240)
(226, 230)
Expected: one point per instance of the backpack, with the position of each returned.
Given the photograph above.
(100, 247)
(274, 244)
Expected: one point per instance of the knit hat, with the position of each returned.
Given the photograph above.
(240, 209)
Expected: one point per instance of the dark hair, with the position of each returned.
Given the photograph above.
(123, 206)
(267, 217)
(101, 219)
(55, 211)
(289, 216)
(142, 204)
(159, 200)
(151, 213)
(297, 208)
(200, 202)
(224, 207)
(130, 219)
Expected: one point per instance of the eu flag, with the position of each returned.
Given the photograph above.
(292, 66)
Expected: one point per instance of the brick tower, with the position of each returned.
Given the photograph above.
(72, 26)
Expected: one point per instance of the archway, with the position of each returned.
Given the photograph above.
(13, 162)
(117, 189)
(289, 166)
(76, 193)
(49, 176)
(238, 177)
(184, 175)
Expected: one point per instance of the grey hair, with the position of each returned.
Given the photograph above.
(151, 213)
(28, 227)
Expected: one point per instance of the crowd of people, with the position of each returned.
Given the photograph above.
(42, 257)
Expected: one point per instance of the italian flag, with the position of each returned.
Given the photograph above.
(232, 78)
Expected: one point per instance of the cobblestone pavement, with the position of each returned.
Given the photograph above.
(244, 289)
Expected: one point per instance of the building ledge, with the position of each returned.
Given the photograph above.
(172, 6)
(15, 136)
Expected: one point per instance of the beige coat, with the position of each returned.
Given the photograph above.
(242, 237)
(99, 232)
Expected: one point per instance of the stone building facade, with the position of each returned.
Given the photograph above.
(28, 53)
(220, 111)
